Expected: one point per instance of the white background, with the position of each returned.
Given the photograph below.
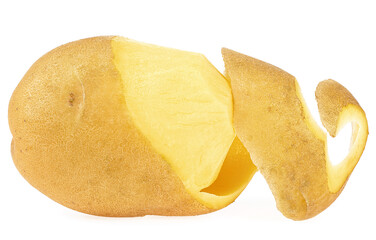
(316, 41)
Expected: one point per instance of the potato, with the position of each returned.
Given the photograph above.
(285, 143)
(113, 127)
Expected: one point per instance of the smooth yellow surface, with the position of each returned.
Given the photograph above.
(183, 106)
(337, 174)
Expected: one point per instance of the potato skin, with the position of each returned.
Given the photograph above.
(74, 140)
(269, 119)
(330, 110)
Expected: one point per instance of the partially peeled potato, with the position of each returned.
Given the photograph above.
(114, 127)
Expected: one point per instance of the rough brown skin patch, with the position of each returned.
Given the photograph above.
(74, 141)
(270, 121)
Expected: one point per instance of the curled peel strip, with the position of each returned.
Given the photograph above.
(285, 143)
(337, 107)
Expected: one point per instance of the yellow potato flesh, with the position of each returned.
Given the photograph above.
(183, 106)
(338, 174)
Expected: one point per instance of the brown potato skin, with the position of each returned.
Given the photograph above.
(270, 122)
(74, 140)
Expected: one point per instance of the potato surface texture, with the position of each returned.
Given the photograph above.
(113, 127)
(285, 143)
